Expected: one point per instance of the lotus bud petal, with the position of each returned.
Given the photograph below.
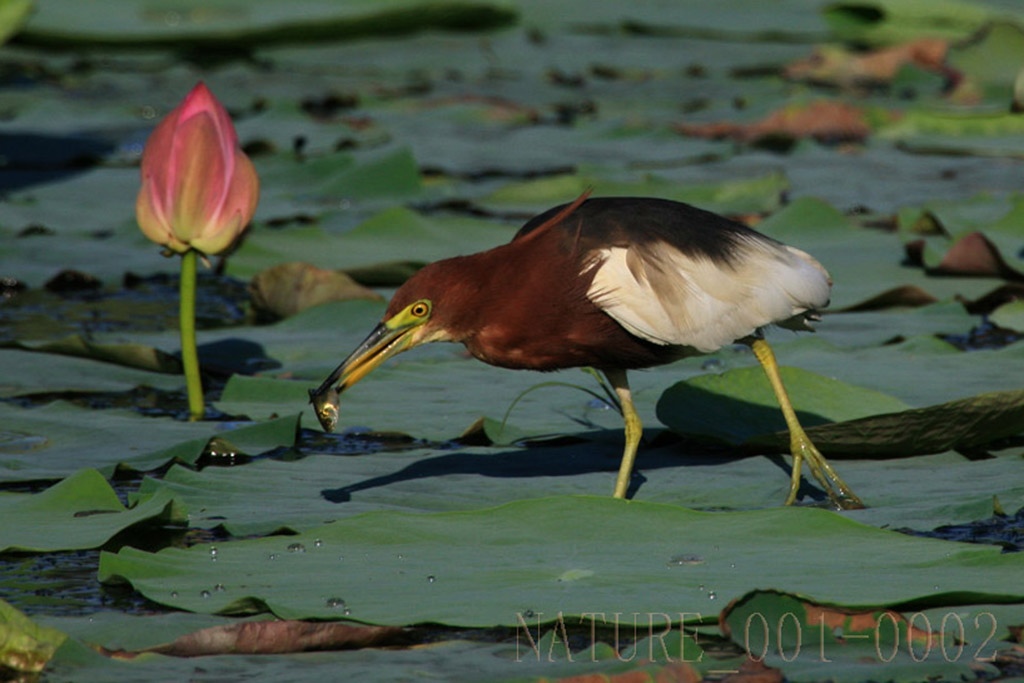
(199, 189)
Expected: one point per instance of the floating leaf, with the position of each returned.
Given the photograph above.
(835, 65)
(992, 58)
(80, 512)
(509, 559)
(756, 195)
(277, 637)
(25, 647)
(737, 407)
(284, 290)
(60, 439)
(897, 297)
(129, 355)
(1009, 316)
(340, 177)
(223, 24)
(822, 120)
(392, 234)
(807, 637)
(893, 21)
(13, 15)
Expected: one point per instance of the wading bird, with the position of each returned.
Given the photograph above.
(612, 283)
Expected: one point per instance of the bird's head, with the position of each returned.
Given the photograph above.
(411, 319)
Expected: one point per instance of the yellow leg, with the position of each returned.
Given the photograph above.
(634, 430)
(802, 447)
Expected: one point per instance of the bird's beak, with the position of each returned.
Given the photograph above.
(388, 338)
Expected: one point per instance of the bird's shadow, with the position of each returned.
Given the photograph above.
(583, 457)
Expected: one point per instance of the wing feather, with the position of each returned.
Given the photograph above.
(665, 296)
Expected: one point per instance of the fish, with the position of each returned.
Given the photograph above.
(325, 400)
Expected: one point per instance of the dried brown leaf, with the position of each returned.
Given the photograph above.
(284, 290)
(822, 120)
(973, 254)
(902, 296)
(834, 65)
(280, 637)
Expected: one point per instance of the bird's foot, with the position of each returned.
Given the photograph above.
(841, 495)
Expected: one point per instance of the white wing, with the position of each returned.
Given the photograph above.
(660, 294)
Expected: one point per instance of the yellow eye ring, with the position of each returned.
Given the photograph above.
(420, 309)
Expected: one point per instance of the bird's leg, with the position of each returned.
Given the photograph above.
(800, 444)
(634, 429)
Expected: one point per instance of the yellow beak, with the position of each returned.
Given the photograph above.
(390, 337)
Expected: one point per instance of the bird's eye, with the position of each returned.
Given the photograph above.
(420, 309)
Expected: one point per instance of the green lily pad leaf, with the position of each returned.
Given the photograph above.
(247, 439)
(964, 424)
(260, 398)
(992, 58)
(224, 24)
(853, 645)
(25, 647)
(953, 123)
(756, 195)
(331, 179)
(130, 355)
(80, 512)
(58, 439)
(805, 217)
(894, 21)
(64, 438)
(30, 372)
(400, 568)
(13, 15)
(943, 217)
(737, 406)
(1009, 316)
(395, 233)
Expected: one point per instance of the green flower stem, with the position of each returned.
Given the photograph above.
(187, 324)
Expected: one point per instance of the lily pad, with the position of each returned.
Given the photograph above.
(855, 645)
(60, 438)
(79, 512)
(13, 15)
(755, 195)
(226, 24)
(400, 568)
(390, 235)
(738, 405)
(846, 420)
(892, 21)
(1009, 316)
(25, 647)
(284, 290)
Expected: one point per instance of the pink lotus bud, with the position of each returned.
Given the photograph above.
(199, 189)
